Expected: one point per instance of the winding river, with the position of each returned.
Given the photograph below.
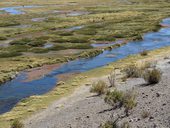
(14, 91)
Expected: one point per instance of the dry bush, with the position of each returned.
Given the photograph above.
(17, 124)
(129, 101)
(152, 76)
(114, 98)
(111, 79)
(145, 114)
(100, 87)
(118, 99)
(133, 71)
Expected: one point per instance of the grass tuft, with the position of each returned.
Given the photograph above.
(17, 124)
(152, 76)
(100, 87)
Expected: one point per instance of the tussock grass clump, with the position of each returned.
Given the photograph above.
(114, 98)
(145, 114)
(118, 99)
(37, 42)
(129, 101)
(17, 124)
(133, 71)
(100, 87)
(152, 76)
(111, 79)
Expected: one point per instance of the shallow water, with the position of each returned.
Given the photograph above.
(16, 9)
(75, 28)
(38, 19)
(48, 45)
(107, 44)
(77, 13)
(15, 90)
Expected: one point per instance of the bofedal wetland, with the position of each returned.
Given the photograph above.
(71, 37)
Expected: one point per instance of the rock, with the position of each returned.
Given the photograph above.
(88, 84)
(157, 95)
(151, 118)
(60, 83)
(87, 117)
(164, 104)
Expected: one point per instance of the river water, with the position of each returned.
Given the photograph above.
(16, 10)
(14, 91)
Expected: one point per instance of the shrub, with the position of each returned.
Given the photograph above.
(111, 79)
(119, 99)
(17, 124)
(133, 71)
(145, 114)
(152, 76)
(129, 101)
(100, 88)
(114, 98)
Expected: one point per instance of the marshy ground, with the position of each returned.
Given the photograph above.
(58, 31)
(47, 28)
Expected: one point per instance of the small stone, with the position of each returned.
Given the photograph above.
(60, 83)
(157, 95)
(163, 104)
(87, 117)
(151, 118)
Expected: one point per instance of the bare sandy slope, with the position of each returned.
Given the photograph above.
(85, 110)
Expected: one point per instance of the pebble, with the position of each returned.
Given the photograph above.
(157, 95)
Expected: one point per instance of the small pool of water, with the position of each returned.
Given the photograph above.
(77, 13)
(38, 19)
(48, 45)
(75, 28)
(14, 91)
(107, 44)
(15, 10)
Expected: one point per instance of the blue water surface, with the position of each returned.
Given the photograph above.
(16, 9)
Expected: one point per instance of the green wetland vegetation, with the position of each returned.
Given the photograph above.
(23, 40)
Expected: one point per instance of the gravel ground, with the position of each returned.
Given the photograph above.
(85, 110)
